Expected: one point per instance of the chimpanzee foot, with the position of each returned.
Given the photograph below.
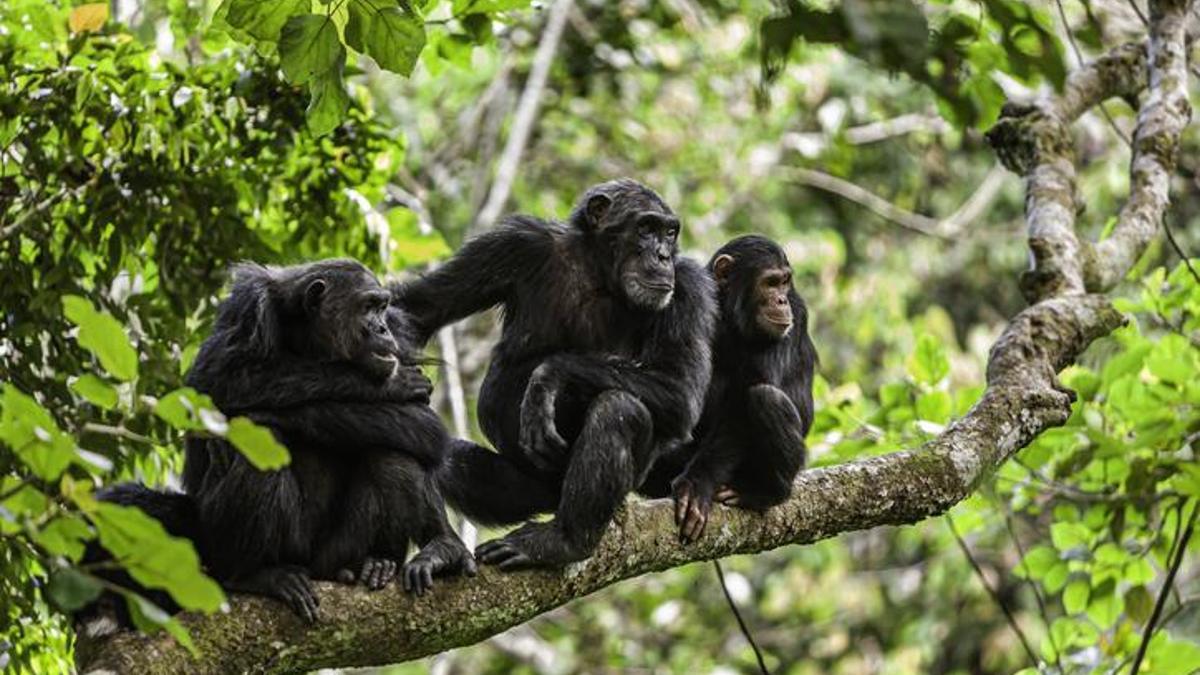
(444, 555)
(531, 545)
(289, 584)
(377, 572)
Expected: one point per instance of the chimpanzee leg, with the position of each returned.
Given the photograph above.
(440, 550)
(779, 453)
(492, 488)
(254, 528)
(608, 456)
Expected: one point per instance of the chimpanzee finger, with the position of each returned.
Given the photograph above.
(468, 566)
(727, 496)
(696, 520)
(301, 597)
(346, 576)
(682, 502)
(427, 577)
(518, 561)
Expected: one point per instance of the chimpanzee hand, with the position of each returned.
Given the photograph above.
(375, 573)
(446, 554)
(693, 503)
(727, 496)
(539, 436)
(408, 385)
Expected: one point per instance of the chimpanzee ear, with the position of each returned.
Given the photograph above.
(722, 266)
(597, 210)
(313, 293)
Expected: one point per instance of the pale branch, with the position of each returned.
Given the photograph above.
(1022, 399)
(1160, 123)
(523, 119)
(881, 207)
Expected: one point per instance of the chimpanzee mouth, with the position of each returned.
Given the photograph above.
(386, 357)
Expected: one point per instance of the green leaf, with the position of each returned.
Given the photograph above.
(308, 47)
(263, 19)
(154, 558)
(189, 410)
(1172, 657)
(148, 617)
(395, 40)
(1106, 605)
(934, 406)
(71, 589)
(258, 444)
(66, 535)
(1075, 596)
(102, 335)
(1067, 536)
(1056, 578)
(928, 363)
(329, 103)
(358, 17)
(1037, 562)
(1139, 603)
(95, 391)
(33, 435)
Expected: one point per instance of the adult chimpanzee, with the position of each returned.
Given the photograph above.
(749, 443)
(296, 348)
(602, 362)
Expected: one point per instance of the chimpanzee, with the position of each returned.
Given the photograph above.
(603, 361)
(361, 483)
(314, 352)
(749, 443)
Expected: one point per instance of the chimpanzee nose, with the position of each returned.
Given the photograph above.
(781, 301)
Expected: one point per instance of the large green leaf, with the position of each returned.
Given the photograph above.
(33, 435)
(154, 558)
(395, 39)
(102, 335)
(95, 390)
(148, 617)
(308, 47)
(262, 19)
(258, 444)
(329, 103)
(71, 589)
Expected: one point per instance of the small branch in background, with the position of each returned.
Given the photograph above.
(977, 203)
(118, 432)
(527, 109)
(1012, 620)
(1180, 550)
(881, 207)
(1179, 249)
(1066, 28)
(458, 409)
(762, 664)
(897, 126)
(1037, 593)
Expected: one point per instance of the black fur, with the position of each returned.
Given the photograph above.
(749, 443)
(315, 353)
(603, 361)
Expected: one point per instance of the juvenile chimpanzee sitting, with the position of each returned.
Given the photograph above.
(314, 352)
(749, 443)
(603, 361)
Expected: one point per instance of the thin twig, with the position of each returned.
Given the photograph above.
(118, 432)
(1180, 548)
(1012, 620)
(1138, 10)
(1079, 58)
(762, 665)
(1037, 594)
(1179, 249)
(863, 197)
(527, 108)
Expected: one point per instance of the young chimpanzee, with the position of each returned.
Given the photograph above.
(749, 443)
(315, 353)
(602, 362)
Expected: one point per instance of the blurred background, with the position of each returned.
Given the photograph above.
(141, 155)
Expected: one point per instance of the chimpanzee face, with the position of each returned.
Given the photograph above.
(646, 259)
(349, 309)
(773, 313)
(755, 287)
(638, 240)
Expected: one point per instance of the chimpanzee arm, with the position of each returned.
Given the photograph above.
(671, 377)
(479, 276)
(286, 382)
(356, 428)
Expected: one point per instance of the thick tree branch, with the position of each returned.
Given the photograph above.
(1022, 399)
